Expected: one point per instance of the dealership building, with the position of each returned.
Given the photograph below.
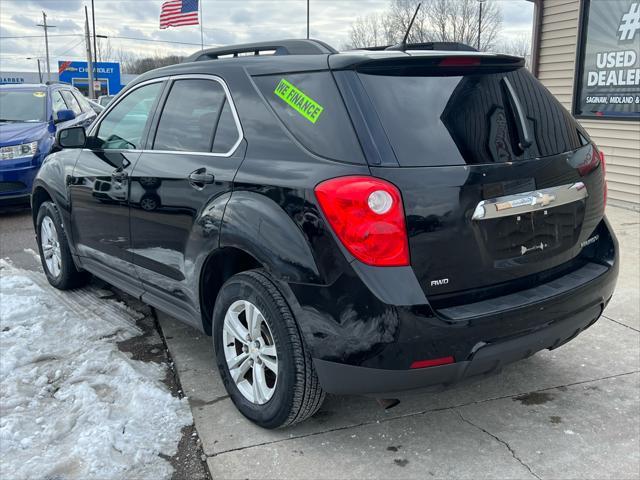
(587, 53)
(107, 77)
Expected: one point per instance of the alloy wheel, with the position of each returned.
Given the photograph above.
(250, 352)
(50, 246)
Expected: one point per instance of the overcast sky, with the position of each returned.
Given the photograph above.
(225, 22)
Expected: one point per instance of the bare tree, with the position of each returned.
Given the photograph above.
(459, 21)
(104, 50)
(438, 20)
(519, 46)
(371, 30)
(137, 65)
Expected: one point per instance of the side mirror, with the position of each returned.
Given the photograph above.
(64, 116)
(72, 137)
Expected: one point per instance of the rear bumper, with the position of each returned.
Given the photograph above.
(367, 347)
(339, 378)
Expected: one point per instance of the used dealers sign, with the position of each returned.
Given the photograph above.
(609, 67)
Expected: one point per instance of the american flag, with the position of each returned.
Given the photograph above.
(176, 13)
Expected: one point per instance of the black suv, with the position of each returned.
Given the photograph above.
(354, 223)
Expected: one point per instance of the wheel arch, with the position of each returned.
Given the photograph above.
(39, 195)
(217, 268)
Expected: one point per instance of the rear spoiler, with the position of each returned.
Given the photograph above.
(418, 63)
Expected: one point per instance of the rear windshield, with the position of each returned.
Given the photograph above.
(311, 108)
(457, 120)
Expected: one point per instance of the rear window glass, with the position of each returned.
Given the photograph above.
(468, 119)
(312, 109)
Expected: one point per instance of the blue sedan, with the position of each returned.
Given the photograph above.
(29, 118)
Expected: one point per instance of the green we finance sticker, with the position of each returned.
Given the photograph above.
(296, 99)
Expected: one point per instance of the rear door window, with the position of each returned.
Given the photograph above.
(311, 108)
(196, 118)
(457, 120)
(57, 102)
(71, 101)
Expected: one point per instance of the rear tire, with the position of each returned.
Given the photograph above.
(292, 393)
(57, 263)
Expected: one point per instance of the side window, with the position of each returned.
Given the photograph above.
(57, 103)
(71, 101)
(123, 126)
(311, 108)
(82, 100)
(191, 115)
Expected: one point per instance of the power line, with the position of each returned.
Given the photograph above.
(109, 36)
(42, 36)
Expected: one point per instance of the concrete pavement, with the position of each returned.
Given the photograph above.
(570, 413)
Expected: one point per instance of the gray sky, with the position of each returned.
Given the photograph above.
(225, 21)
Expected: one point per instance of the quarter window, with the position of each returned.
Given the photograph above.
(196, 117)
(71, 101)
(123, 127)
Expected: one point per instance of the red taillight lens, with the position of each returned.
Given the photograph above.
(433, 362)
(367, 215)
(592, 161)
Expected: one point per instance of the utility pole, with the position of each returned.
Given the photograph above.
(46, 42)
(307, 19)
(93, 20)
(89, 59)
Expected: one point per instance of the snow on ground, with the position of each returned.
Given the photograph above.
(72, 406)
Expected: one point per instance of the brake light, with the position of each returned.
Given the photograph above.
(433, 362)
(455, 61)
(367, 215)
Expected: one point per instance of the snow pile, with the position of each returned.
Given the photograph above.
(71, 404)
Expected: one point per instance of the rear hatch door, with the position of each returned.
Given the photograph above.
(499, 183)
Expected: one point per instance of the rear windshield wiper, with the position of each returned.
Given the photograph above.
(522, 128)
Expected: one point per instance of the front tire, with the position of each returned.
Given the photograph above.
(55, 255)
(260, 353)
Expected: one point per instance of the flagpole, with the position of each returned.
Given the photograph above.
(201, 21)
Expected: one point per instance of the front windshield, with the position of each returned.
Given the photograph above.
(22, 106)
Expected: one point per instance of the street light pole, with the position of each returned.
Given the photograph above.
(480, 23)
(39, 70)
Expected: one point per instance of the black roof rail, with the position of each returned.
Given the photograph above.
(276, 47)
(450, 46)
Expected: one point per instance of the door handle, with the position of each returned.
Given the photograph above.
(119, 175)
(200, 176)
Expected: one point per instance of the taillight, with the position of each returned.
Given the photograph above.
(367, 215)
(593, 160)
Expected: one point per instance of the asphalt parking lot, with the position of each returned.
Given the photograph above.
(570, 413)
